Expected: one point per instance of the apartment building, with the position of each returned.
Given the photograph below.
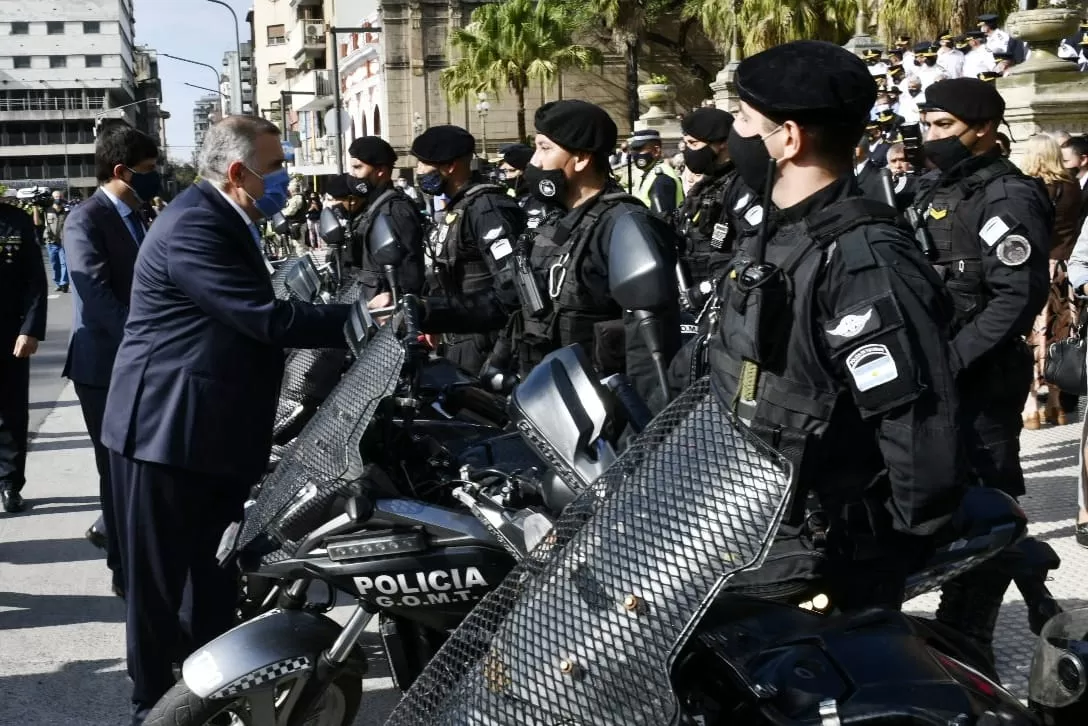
(227, 85)
(206, 111)
(64, 65)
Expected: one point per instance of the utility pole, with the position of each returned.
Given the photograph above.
(337, 103)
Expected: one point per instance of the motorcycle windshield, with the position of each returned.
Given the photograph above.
(324, 461)
(584, 631)
(1060, 661)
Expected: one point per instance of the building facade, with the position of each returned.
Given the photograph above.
(150, 116)
(269, 22)
(64, 65)
(206, 111)
(227, 85)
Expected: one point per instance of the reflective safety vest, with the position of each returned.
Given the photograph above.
(650, 176)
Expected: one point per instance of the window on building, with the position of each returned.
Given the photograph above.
(21, 61)
(276, 72)
(58, 61)
(20, 28)
(94, 61)
(276, 35)
(54, 27)
(91, 27)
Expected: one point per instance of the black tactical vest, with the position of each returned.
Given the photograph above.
(360, 228)
(787, 394)
(703, 227)
(555, 259)
(956, 241)
(455, 267)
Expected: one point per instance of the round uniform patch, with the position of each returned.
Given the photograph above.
(547, 187)
(1014, 250)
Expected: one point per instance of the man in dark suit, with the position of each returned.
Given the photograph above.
(22, 325)
(102, 237)
(1075, 160)
(193, 396)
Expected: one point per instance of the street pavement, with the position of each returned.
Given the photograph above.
(62, 641)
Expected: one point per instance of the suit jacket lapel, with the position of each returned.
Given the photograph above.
(114, 218)
(237, 229)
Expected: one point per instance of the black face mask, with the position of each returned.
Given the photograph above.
(361, 186)
(750, 157)
(643, 161)
(547, 185)
(700, 161)
(914, 91)
(930, 61)
(947, 152)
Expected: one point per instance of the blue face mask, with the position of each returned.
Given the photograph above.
(275, 192)
(431, 182)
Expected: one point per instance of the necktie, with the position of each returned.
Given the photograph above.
(137, 228)
(256, 235)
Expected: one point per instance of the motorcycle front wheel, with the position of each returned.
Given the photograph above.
(264, 707)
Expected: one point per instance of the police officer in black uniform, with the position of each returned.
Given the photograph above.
(707, 235)
(22, 326)
(515, 158)
(988, 227)
(561, 272)
(472, 242)
(832, 341)
(371, 178)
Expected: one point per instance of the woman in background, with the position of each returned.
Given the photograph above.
(1043, 160)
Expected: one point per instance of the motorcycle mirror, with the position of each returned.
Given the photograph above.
(303, 279)
(564, 409)
(638, 275)
(382, 243)
(279, 223)
(360, 327)
(330, 227)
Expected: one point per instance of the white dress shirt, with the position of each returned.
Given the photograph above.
(979, 60)
(997, 41)
(951, 60)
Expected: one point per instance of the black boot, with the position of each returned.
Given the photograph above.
(1030, 562)
(970, 605)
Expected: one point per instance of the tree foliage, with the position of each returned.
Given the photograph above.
(761, 24)
(506, 46)
(925, 19)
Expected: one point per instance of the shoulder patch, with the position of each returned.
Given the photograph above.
(871, 366)
(850, 326)
(742, 202)
(493, 234)
(1014, 250)
(994, 229)
(754, 215)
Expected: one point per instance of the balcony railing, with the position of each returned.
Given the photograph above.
(53, 104)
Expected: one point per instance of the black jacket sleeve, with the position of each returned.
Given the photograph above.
(663, 194)
(886, 329)
(494, 222)
(408, 226)
(1017, 212)
(35, 291)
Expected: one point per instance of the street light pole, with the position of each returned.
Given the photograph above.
(236, 72)
(219, 80)
(482, 109)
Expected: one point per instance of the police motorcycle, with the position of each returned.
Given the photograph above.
(624, 613)
(415, 519)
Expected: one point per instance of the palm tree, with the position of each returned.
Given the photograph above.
(760, 24)
(926, 18)
(507, 45)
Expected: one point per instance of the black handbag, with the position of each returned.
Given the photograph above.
(1065, 364)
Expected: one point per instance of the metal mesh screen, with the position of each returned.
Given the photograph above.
(583, 632)
(309, 375)
(324, 460)
(279, 277)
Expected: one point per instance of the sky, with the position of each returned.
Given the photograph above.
(195, 29)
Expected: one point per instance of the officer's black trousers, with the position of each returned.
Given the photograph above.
(14, 415)
(92, 399)
(468, 352)
(169, 524)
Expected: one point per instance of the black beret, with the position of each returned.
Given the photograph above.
(968, 99)
(340, 186)
(577, 126)
(373, 150)
(808, 81)
(921, 47)
(518, 155)
(988, 19)
(442, 144)
(707, 124)
(976, 34)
